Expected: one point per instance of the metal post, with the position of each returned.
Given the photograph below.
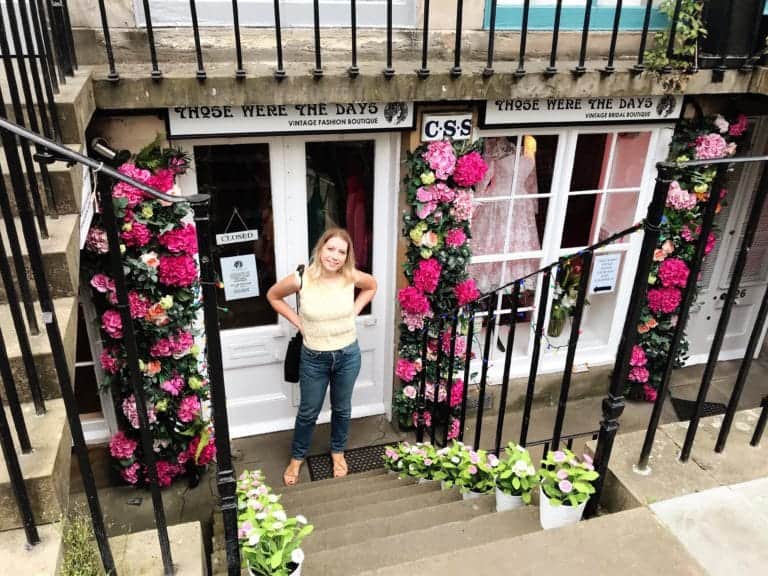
(438, 366)
(239, 70)
(551, 69)
(112, 76)
(420, 398)
(613, 404)
(389, 71)
(279, 71)
(200, 74)
(456, 70)
(489, 328)
(580, 69)
(451, 364)
(760, 428)
(58, 32)
(353, 70)
(423, 72)
(488, 71)
(39, 12)
(507, 366)
(156, 73)
(672, 33)
(34, 54)
(540, 317)
(69, 39)
(520, 72)
(12, 396)
(719, 72)
(468, 357)
(639, 67)
(50, 83)
(317, 72)
(573, 341)
(610, 69)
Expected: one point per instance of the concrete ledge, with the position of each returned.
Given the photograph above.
(40, 560)
(138, 554)
(46, 470)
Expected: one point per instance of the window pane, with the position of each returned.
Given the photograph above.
(529, 217)
(519, 268)
(629, 159)
(534, 164)
(500, 154)
(489, 221)
(487, 275)
(579, 219)
(537, 165)
(237, 178)
(590, 162)
(619, 213)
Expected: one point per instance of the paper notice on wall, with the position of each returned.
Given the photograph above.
(240, 277)
(605, 272)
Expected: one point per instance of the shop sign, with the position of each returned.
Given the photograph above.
(605, 272)
(240, 277)
(236, 237)
(441, 126)
(193, 121)
(582, 110)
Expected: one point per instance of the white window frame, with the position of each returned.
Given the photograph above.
(293, 13)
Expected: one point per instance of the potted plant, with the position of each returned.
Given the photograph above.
(565, 486)
(475, 476)
(516, 478)
(269, 540)
(392, 458)
(404, 405)
(419, 461)
(449, 459)
(564, 295)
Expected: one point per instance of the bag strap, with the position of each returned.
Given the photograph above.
(300, 270)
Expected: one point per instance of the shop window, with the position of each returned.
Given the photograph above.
(238, 179)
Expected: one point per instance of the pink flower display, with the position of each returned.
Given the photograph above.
(739, 127)
(207, 454)
(425, 210)
(711, 241)
(466, 291)
(131, 412)
(462, 205)
(457, 392)
(663, 300)
(673, 272)
(638, 356)
(132, 195)
(112, 324)
(161, 348)
(406, 370)
(189, 408)
(410, 392)
(710, 147)
(173, 385)
(122, 447)
(180, 240)
(427, 275)
(177, 270)
(459, 349)
(138, 303)
(162, 179)
(413, 301)
(137, 235)
(454, 428)
(455, 238)
(427, 419)
(131, 473)
(470, 169)
(103, 283)
(441, 158)
(680, 199)
(166, 472)
(639, 374)
(109, 363)
(96, 241)
(649, 393)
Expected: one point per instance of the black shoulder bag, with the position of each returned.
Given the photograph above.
(293, 354)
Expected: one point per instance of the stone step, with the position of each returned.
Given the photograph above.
(61, 255)
(41, 560)
(308, 486)
(138, 554)
(427, 542)
(45, 470)
(66, 314)
(375, 527)
(66, 183)
(639, 544)
(331, 493)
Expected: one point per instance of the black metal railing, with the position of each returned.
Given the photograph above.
(12, 135)
(588, 30)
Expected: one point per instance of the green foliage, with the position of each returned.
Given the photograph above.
(419, 460)
(516, 474)
(475, 471)
(81, 554)
(450, 459)
(566, 481)
(689, 30)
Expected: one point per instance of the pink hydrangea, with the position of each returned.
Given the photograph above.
(207, 454)
(442, 192)
(180, 343)
(638, 356)
(189, 408)
(138, 303)
(96, 241)
(739, 127)
(173, 385)
(426, 276)
(663, 300)
(453, 430)
(457, 392)
(462, 206)
(710, 147)
(424, 210)
(122, 447)
(166, 472)
(138, 235)
(414, 321)
(413, 301)
(131, 473)
(455, 238)
(132, 195)
(180, 240)
(161, 348)
(177, 270)
(680, 199)
(112, 324)
(440, 158)
(470, 169)
(132, 171)
(649, 393)
(673, 272)
(109, 363)
(406, 370)
(639, 374)
(103, 283)
(424, 194)
(459, 349)
(466, 291)
(131, 412)
(162, 179)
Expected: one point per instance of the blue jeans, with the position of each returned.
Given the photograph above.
(339, 368)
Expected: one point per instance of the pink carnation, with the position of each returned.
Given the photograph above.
(649, 392)
(161, 348)
(162, 179)
(663, 300)
(207, 454)
(109, 363)
(466, 292)
(131, 473)
(138, 303)
(680, 199)
(739, 127)
(673, 272)
(470, 169)
(427, 275)
(189, 408)
(710, 147)
(457, 392)
(112, 324)
(639, 374)
(139, 235)
(103, 283)
(440, 158)
(173, 385)
(462, 206)
(455, 238)
(406, 370)
(180, 240)
(177, 270)
(96, 241)
(453, 430)
(413, 301)
(122, 447)
(638, 356)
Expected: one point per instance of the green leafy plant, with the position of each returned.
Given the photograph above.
(420, 460)
(689, 30)
(564, 480)
(270, 541)
(476, 471)
(516, 474)
(449, 459)
(564, 295)
(404, 406)
(81, 555)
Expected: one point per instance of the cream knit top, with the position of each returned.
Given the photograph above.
(327, 314)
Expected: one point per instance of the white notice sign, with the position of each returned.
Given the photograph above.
(605, 272)
(87, 206)
(236, 237)
(582, 110)
(240, 277)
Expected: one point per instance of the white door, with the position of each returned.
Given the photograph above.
(289, 189)
(716, 274)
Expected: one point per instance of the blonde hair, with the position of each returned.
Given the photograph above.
(348, 268)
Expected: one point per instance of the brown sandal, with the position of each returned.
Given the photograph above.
(340, 468)
(291, 474)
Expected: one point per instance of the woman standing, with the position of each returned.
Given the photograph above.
(330, 354)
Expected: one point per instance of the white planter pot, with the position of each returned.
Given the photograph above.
(426, 480)
(471, 495)
(507, 501)
(296, 572)
(556, 516)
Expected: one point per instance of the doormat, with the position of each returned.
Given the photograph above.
(686, 408)
(358, 460)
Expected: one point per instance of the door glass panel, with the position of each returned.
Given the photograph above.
(619, 213)
(629, 159)
(238, 179)
(579, 218)
(487, 275)
(591, 161)
(526, 233)
(489, 220)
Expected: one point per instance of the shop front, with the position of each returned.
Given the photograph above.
(279, 176)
